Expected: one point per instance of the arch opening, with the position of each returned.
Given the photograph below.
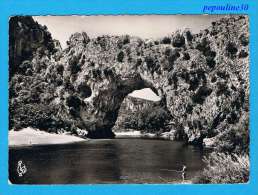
(142, 111)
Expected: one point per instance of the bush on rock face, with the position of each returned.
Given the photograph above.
(244, 40)
(210, 62)
(59, 69)
(222, 89)
(149, 62)
(31, 115)
(120, 56)
(242, 54)
(78, 38)
(231, 48)
(166, 40)
(203, 45)
(147, 120)
(200, 96)
(178, 40)
(174, 54)
(171, 55)
(235, 139)
(126, 39)
(25, 66)
(152, 63)
(172, 79)
(186, 56)
(189, 36)
(73, 65)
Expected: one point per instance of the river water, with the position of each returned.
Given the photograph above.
(106, 161)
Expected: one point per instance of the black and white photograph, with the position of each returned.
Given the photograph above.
(129, 99)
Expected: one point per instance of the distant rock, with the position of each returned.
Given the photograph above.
(130, 107)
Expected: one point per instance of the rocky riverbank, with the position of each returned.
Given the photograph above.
(130, 133)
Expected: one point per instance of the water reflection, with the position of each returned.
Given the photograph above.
(106, 161)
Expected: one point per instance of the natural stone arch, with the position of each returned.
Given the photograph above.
(202, 80)
(105, 106)
(179, 72)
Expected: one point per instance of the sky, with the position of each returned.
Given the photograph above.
(144, 26)
(146, 94)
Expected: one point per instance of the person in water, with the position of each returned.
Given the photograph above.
(184, 172)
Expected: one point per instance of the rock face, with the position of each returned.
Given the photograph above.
(26, 37)
(130, 107)
(134, 104)
(202, 78)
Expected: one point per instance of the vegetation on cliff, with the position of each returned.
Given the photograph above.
(147, 120)
(225, 168)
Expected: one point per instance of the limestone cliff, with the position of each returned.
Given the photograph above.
(26, 37)
(202, 78)
(133, 110)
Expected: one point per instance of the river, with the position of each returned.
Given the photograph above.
(106, 161)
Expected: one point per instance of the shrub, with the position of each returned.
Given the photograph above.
(130, 122)
(120, 56)
(231, 48)
(189, 35)
(242, 54)
(138, 62)
(59, 69)
(222, 88)
(203, 45)
(86, 38)
(236, 139)
(149, 61)
(209, 53)
(166, 40)
(186, 56)
(213, 79)
(96, 73)
(154, 119)
(147, 120)
(167, 51)
(119, 44)
(184, 75)
(126, 39)
(200, 96)
(225, 168)
(189, 108)
(73, 65)
(178, 40)
(222, 74)
(31, 115)
(193, 82)
(172, 56)
(172, 79)
(25, 66)
(244, 40)
(156, 42)
(102, 41)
